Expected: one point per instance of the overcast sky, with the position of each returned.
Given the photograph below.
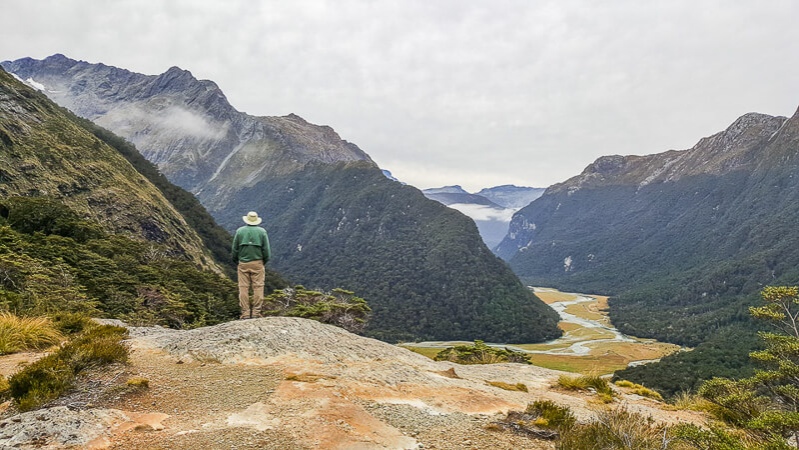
(441, 92)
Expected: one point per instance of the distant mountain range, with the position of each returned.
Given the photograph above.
(683, 240)
(491, 208)
(334, 218)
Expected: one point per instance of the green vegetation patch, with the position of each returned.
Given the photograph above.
(480, 353)
(53, 262)
(50, 377)
(338, 307)
(19, 334)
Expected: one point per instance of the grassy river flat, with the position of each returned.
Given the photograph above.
(590, 344)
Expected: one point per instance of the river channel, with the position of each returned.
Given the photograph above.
(590, 343)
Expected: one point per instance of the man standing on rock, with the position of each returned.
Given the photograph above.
(251, 251)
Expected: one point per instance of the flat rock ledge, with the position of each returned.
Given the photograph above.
(60, 427)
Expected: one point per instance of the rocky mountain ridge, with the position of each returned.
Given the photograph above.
(682, 240)
(186, 126)
(46, 153)
(732, 149)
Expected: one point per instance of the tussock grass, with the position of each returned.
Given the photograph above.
(692, 402)
(52, 376)
(4, 388)
(584, 383)
(550, 415)
(138, 383)
(507, 386)
(617, 429)
(19, 334)
(639, 389)
(307, 377)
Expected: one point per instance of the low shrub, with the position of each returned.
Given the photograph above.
(71, 323)
(18, 334)
(51, 376)
(480, 353)
(38, 383)
(716, 437)
(338, 307)
(618, 429)
(553, 415)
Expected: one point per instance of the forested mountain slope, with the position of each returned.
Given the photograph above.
(684, 240)
(334, 219)
(47, 153)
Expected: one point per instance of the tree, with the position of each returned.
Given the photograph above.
(767, 402)
(338, 307)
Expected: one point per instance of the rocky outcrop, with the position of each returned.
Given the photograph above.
(282, 382)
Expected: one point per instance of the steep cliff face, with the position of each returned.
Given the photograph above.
(334, 218)
(46, 153)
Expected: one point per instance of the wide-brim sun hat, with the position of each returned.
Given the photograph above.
(251, 218)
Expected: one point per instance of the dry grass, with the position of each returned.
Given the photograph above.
(568, 326)
(587, 310)
(507, 386)
(639, 389)
(138, 382)
(429, 352)
(553, 296)
(618, 429)
(585, 383)
(18, 334)
(692, 402)
(307, 377)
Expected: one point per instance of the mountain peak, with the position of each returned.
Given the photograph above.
(454, 189)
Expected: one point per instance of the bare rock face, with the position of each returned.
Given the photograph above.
(59, 427)
(281, 382)
(259, 341)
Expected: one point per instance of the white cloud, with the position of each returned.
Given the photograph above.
(485, 213)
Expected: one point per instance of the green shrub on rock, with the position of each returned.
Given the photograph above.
(480, 353)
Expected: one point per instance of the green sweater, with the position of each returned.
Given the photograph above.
(251, 243)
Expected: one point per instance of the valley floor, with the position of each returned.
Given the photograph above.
(590, 343)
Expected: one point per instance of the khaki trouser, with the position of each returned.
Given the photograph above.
(251, 274)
